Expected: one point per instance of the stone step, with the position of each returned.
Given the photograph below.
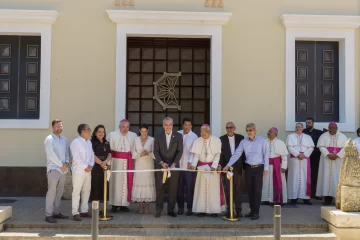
(69, 224)
(5, 213)
(159, 234)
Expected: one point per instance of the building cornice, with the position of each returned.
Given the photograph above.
(331, 21)
(28, 16)
(169, 17)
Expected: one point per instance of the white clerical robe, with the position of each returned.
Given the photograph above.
(299, 174)
(118, 186)
(277, 149)
(208, 194)
(329, 170)
(357, 142)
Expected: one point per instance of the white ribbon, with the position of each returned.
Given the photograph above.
(166, 172)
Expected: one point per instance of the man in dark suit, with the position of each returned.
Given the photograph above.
(229, 142)
(168, 149)
(315, 155)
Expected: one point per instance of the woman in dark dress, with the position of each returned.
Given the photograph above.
(102, 154)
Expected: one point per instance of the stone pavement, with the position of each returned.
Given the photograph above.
(27, 222)
(29, 212)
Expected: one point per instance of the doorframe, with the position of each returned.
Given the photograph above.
(338, 28)
(132, 23)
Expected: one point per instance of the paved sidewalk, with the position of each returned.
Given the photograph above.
(28, 212)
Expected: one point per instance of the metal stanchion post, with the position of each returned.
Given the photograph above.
(104, 217)
(231, 207)
(277, 222)
(95, 220)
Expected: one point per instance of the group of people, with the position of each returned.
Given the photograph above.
(203, 161)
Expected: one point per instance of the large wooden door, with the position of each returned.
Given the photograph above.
(317, 81)
(147, 60)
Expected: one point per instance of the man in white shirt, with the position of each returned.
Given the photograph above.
(57, 156)
(229, 142)
(82, 164)
(186, 179)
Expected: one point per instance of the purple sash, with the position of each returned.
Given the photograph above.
(277, 182)
(308, 176)
(334, 150)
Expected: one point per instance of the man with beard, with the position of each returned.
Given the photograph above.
(229, 142)
(315, 156)
(57, 156)
(256, 150)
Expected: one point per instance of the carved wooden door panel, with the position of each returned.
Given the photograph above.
(147, 61)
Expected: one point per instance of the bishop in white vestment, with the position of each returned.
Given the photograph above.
(331, 145)
(120, 186)
(300, 147)
(209, 194)
(274, 185)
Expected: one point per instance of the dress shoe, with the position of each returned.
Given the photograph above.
(86, 215)
(250, 214)
(200, 214)
(124, 209)
(307, 202)
(60, 216)
(172, 214)
(316, 198)
(239, 215)
(213, 215)
(254, 216)
(265, 203)
(77, 218)
(158, 214)
(189, 212)
(293, 201)
(50, 220)
(180, 211)
(114, 209)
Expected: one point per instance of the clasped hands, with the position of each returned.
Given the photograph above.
(332, 156)
(301, 156)
(144, 153)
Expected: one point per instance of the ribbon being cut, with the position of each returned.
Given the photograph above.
(166, 172)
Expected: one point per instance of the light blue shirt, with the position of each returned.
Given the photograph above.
(57, 152)
(256, 152)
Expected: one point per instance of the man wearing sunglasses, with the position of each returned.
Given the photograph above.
(256, 150)
(229, 142)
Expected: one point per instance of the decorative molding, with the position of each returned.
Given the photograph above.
(32, 22)
(324, 21)
(214, 3)
(165, 90)
(323, 28)
(162, 24)
(28, 16)
(169, 17)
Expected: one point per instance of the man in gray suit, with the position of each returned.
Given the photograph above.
(168, 149)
